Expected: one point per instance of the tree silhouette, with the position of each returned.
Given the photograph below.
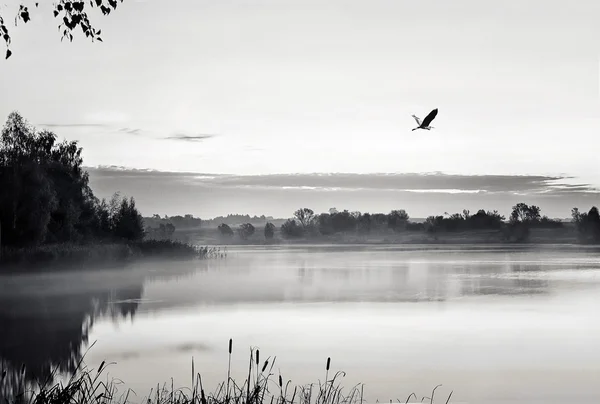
(71, 13)
(522, 212)
(269, 230)
(397, 220)
(225, 230)
(305, 216)
(588, 224)
(291, 229)
(246, 230)
(45, 196)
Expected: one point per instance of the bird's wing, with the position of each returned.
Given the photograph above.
(417, 119)
(430, 117)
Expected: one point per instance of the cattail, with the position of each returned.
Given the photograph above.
(101, 366)
(328, 363)
(3, 374)
(265, 365)
(230, 344)
(23, 369)
(257, 357)
(280, 381)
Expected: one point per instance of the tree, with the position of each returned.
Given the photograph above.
(364, 223)
(521, 217)
(397, 220)
(533, 213)
(245, 230)
(71, 13)
(291, 229)
(21, 148)
(522, 212)
(45, 195)
(577, 216)
(128, 223)
(519, 213)
(343, 221)
(225, 230)
(269, 230)
(26, 205)
(305, 216)
(588, 224)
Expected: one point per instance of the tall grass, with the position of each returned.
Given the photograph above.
(261, 386)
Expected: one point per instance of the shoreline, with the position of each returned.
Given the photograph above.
(70, 255)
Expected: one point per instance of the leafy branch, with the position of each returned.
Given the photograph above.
(71, 13)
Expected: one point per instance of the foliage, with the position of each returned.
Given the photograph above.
(269, 230)
(587, 224)
(235, 219)
(65, 255)
(305, 217)
(245, 230)
(347, 222)
(397, 220)
(291, 229)
(46, 196)
(162, 232)
(524, 213)
(71, 13)
(127, 222)
(465, 221)
(225, 230)
(180, 222)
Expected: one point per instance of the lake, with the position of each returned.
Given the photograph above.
(494, 324)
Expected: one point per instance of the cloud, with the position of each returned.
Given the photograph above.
(421, 194)
(427, 183)
(190, 138)
(74, 125)
(127, 130)
(131, 131)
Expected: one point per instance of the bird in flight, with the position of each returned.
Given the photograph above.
(426, 121)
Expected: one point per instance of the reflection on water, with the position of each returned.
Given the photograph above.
(48, 320)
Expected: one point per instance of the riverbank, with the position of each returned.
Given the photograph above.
(68, 255)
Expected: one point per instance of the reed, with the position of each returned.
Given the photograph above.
(87, 387)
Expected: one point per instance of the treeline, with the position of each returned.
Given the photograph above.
(178, 221)
(45, 196)
(237, 220)
(306, 224)
(153, 223)
(162, 228)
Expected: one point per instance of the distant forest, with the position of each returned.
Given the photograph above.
(305, 223)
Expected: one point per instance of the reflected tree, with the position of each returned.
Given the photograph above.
(44, 332)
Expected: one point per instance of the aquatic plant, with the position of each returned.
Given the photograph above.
(261, 386)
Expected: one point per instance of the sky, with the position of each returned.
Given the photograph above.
(290, 91)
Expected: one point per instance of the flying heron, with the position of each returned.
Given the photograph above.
(426, 121)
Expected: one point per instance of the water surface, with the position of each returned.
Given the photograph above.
(497, 325)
